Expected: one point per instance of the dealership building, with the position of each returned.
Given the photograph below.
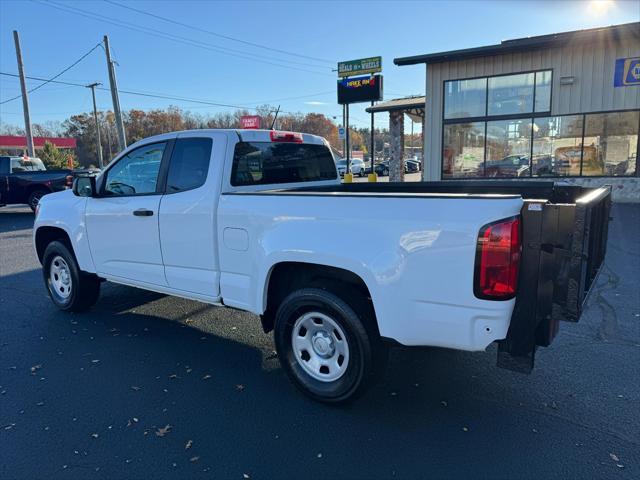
(561, 106)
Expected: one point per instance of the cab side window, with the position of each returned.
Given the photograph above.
(189, 164)
(136, 173)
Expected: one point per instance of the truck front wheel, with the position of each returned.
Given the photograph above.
(324, 347)
(70, 289)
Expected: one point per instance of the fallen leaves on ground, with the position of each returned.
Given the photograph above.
(188, 445)
(239, 387)
(173, 375)
(614, 457)
(206, 377)
(132, 421)
(161, 432)
(465, 429)
(94, 435)
(194, 459)
(35, 368)
(133, 387)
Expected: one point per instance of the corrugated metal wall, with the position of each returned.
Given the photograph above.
(592, 65)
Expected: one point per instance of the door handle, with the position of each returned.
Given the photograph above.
(142, 212)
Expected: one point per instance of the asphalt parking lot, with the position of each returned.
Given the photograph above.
(145, 385)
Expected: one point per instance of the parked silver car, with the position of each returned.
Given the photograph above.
(357, 167)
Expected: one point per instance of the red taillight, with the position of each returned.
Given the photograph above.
(498, 260)
(290, 137)
(69, 180)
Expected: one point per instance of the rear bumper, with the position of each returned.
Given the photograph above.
(454, 326)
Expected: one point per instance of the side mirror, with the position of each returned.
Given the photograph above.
(85, 186)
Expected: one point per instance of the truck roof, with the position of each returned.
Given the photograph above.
(245, 135)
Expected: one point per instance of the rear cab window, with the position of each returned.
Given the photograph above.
(266, 163)
(27, 165)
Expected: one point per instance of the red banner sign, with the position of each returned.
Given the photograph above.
(250, 121)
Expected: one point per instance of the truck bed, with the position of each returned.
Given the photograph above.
(564, 238)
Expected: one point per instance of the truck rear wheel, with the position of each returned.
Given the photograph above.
(70, 289)
(34, 198)
(324, 347)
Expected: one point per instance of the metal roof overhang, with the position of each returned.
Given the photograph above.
(615, 32)
(412, 106)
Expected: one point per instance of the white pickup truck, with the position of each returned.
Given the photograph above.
(259, 221)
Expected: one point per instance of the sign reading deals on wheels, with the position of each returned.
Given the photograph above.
(360, 66)
(627, 72)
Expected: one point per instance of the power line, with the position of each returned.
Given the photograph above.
(178, 38)
(209, 32)
(55, 76)
(150, 95)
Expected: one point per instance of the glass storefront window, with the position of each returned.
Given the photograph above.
(610, 143)
(511, 94)
(463, 150)
(543, 91)
(465, 98)
(557, 146)
(508, 148)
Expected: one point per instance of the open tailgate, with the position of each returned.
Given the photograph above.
(563, 249)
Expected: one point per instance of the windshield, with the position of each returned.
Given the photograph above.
(26, 165)
(263, 163)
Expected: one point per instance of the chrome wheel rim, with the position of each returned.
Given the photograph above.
(35, 199)
(60, 278)
(320, 346)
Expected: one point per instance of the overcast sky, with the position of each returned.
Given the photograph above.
(274, 52)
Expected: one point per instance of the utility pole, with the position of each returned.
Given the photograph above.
(25, 98)
(122, 139)
(95, 117)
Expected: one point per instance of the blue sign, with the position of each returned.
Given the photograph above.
(627, 72)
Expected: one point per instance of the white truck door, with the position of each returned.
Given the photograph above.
(122, 224)
(188, 213)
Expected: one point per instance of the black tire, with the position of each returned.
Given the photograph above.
(83, 288)
(366, 353)
(34, 198)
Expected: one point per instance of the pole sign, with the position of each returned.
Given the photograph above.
(341, 133)
(359, 89)
(250, 121)
(627, 72)
(360, 66)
